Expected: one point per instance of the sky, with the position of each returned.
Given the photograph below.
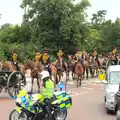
(12, 13)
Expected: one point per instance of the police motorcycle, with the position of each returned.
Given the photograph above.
(31, 107)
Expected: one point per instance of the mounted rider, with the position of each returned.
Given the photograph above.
(60, 57)
(96, 57)
(15, 60)
(78, 57)
(114, 51)
(45, 60)
(95, 54)
(38, 56)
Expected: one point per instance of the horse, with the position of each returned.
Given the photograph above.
(85, 65)
(70, 66)
(79, 72)
(35, 70)
(8, 66)
(61, 69)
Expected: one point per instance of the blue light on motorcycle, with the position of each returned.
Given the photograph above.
(14, 97)
(61, 85)
(23, 99)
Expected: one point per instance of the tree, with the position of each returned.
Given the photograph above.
(55, 22)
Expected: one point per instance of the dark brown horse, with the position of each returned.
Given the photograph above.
(70, 66)
(85, 65)
(35, 70)
(79, 72)
(61, 69)
(93, 66)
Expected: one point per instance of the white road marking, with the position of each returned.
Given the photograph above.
(77, 94)
(87, 88)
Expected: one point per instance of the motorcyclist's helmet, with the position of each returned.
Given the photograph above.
(44, 74)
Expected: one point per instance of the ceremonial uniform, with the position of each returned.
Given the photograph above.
(15, 60)
(60, 56)
(77, 57)
(114, 51)
(95, 54)
(38, 57)
(45, 60)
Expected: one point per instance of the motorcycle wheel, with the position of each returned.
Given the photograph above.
(60, 115)
(14, 115)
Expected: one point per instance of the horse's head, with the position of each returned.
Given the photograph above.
(28, 64)
(4, 65)
(78, 63)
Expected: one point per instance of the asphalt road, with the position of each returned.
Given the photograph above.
(87, 103)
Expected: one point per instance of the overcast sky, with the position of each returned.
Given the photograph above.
(12, 13)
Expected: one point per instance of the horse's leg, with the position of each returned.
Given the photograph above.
(38, 85)
(91, 72)
(68, 74)
(78, 82)
(67, 78)
(84, 72)
(80, 79)
(87, 73)
(32, 85)
(72, 75)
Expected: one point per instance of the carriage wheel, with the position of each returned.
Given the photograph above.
(15, 83)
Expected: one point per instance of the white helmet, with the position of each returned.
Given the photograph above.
(44, 74)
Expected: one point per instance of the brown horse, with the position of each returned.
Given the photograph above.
(8, 66)
(79, 72)
(35, 70)
(93, 65)
(61, 69)
(86, 65)
(70, 66)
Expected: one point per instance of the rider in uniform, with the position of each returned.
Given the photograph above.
(47, 91)
(95, 53)
(45, 60)
(60, 56)
(38, 56)
(77, 57)
(15, 60)
(114, 51)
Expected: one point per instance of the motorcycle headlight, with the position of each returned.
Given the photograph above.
(111, 95)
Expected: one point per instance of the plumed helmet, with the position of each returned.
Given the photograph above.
(44, 74)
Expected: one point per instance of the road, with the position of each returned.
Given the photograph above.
(87, 103)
